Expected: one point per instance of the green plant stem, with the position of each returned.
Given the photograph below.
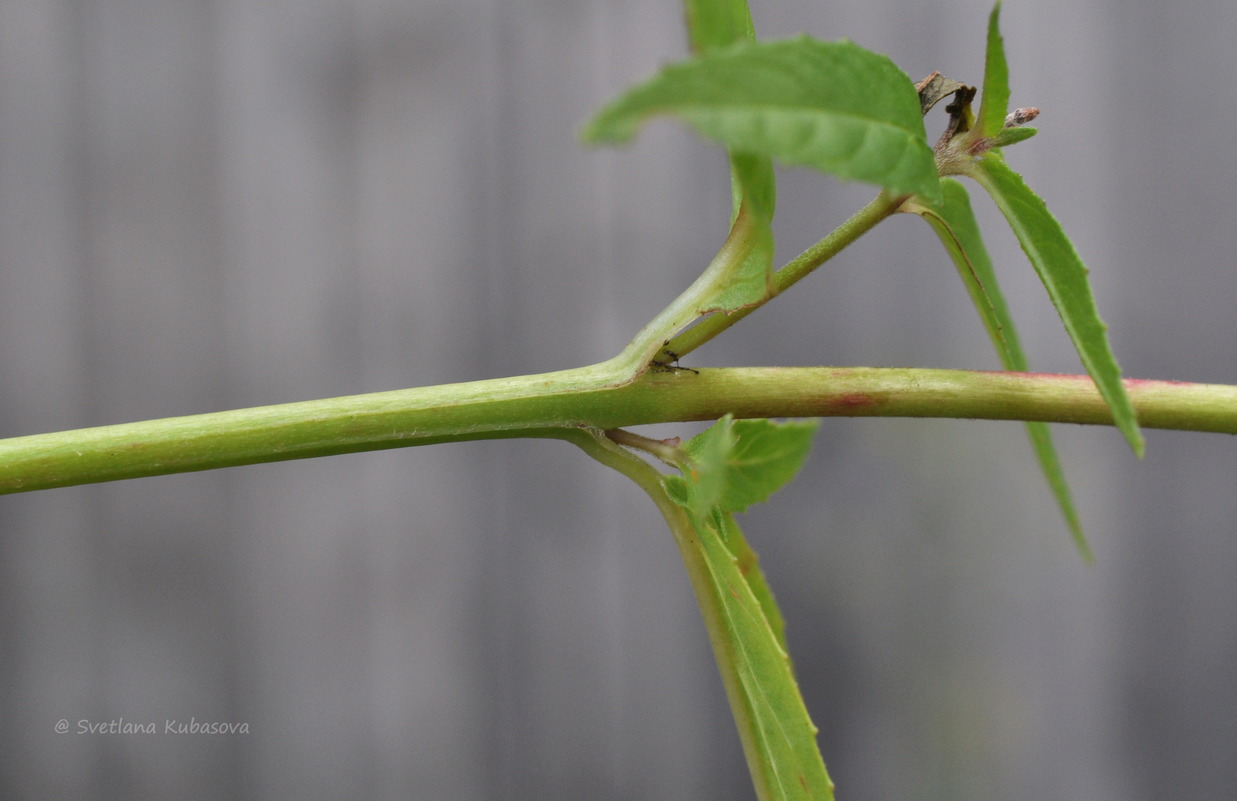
(530, 405)
(862, 221)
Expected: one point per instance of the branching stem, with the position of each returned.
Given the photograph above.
(862, 221)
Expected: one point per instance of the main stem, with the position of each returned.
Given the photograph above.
(504, 407)
(537, 405)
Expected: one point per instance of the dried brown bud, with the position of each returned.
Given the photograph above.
(1020, 116)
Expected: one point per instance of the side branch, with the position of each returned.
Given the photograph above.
(541, 405)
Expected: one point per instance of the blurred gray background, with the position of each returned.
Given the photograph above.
(219, 204)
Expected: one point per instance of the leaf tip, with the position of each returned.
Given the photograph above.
(1084, 551)
(601, 130)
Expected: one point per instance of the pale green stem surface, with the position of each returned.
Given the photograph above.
(588, 396)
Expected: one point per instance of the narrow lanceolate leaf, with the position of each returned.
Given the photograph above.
(729, 467)
(1050, 464)
(955, 225)
(779, 738)
(1065, 277)
(829, 105)
(995, 92)
(748, 563)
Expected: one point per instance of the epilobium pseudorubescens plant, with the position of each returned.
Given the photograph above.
(831, 106)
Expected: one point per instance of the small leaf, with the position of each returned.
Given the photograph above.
(730, 466)
(1012, 136)
(765, 457)
(1065, 277)
(829, 105)
(995, 97)
(737, 463)
(955, 225)
(705, 477)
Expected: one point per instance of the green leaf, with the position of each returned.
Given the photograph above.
(1050, 465)
(753, 181)
(748, 563)
(778, 736)
(955, 225)
(755, 194)
(717, 23)
(1012, 136)
(995, 97)
(705, 477)
(744, 627)
(730, 466)
(829, 105)
(749, 249)
(736, 463)
(1065, 277)
(748, 256)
